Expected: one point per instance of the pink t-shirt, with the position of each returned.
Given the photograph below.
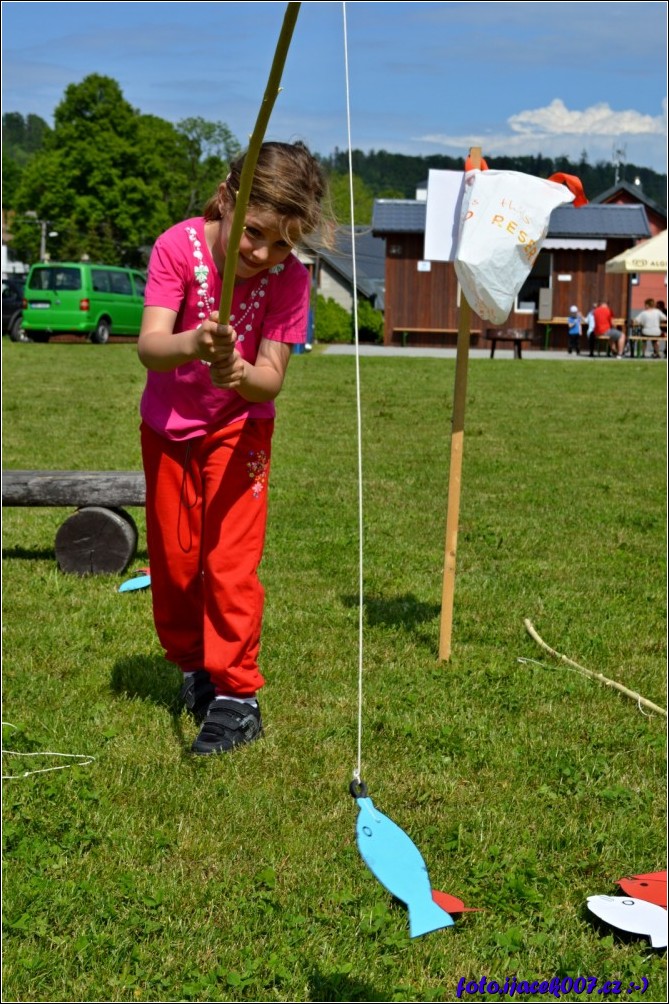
(182, 276)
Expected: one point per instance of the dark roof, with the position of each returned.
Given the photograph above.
(599, 221)
(394, 216)
(370, 259)
(635, 191)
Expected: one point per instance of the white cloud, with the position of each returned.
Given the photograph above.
(556, 131)
(598, 120)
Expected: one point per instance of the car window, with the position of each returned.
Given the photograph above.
(53, 277)
(120, 283)
(40, 278)
(67, 278)
(140, 283)
(100, 280)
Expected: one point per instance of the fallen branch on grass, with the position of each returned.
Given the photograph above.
(593, 676)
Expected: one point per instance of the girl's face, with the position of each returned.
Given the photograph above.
(262, 244)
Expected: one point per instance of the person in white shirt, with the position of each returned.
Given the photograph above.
(650, 321)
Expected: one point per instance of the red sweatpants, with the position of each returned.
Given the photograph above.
(206, 512)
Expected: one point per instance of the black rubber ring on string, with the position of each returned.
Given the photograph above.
(358, 789)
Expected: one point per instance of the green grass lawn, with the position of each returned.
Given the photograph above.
(150, 875)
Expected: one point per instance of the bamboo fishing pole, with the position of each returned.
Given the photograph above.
(251, 159)
(455, 467)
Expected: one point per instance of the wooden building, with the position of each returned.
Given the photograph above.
(649, 283)
(421, 297)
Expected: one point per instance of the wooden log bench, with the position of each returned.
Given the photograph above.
(100, 537)
(514, 336)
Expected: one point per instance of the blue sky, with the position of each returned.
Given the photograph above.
(517, 78)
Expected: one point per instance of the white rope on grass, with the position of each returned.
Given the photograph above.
(356, 772)
(83, 760)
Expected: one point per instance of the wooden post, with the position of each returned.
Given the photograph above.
(455, 468)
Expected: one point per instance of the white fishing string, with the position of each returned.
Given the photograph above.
(83, 758)
(356, 773)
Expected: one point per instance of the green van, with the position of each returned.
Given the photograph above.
(82, 298)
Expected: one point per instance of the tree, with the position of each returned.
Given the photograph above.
(21, 139)
(210, 148)
(11, 178)
(23, 136)
(109, 179)
(340, 195)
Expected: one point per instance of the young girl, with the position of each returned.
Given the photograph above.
(207, 429)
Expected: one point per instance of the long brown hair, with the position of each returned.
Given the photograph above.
(288, 181)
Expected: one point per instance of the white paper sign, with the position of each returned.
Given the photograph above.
(442, 218)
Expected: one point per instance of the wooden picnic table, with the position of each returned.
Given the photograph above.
(514, 336)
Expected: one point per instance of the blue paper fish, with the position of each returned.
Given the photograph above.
(139, 582)
(396, 862)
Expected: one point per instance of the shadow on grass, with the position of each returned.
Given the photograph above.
(404, 611)
(150, 678)
(23, 554)
(617, 934)
(147, 677)
(341, 987)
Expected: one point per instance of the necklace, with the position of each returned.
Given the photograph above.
(246, 309)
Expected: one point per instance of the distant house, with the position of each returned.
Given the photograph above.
(645, 284)
(333, 270)
(421, 297)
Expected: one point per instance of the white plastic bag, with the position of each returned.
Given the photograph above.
(504, 221)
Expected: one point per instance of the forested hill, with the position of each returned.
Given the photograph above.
(396, 175)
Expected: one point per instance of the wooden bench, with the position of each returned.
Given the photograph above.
(638, 343)
(100, 537)
(514, 336)
(602, 342)
(406, 333)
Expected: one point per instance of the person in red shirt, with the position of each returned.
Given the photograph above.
(604, 327)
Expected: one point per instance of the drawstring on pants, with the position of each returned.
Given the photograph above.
(183, 501)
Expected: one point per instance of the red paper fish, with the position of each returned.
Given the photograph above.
(651, 887)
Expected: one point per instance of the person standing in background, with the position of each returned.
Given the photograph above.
(590, 331)
(574, 323)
